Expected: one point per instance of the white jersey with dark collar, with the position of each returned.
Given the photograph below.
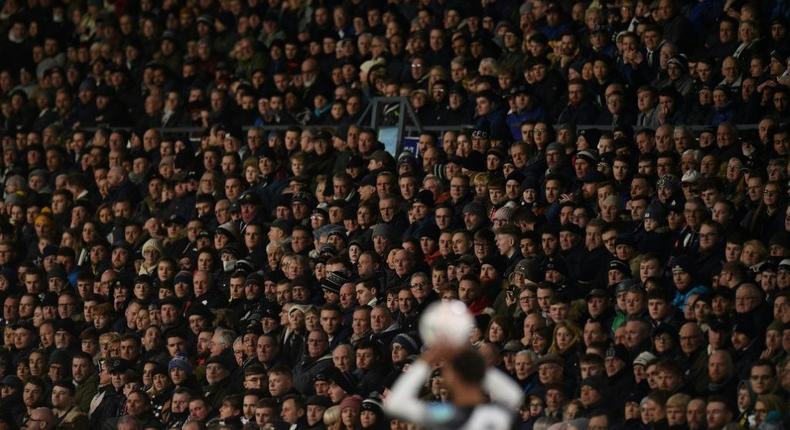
(403, 403)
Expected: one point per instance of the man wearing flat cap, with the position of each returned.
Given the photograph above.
(525, 108)
(315, 406)
(420, 206)
(552, 373)
(109, 398)
(218, 372)
(592, 393)
(599, 307)
(250, 205)
(13, 386)
(323, 161)
(571, 241)
(317, 360)
(619, 375)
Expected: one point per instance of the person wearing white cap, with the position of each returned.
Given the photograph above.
(689, 184)
(644, 358)
(783, 274)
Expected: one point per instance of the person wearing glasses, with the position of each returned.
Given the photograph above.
(40, 419)
(762, 377)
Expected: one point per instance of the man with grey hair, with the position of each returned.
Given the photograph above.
(254, 142)
(694, 212)
(221, 341)
(14, 184)
(690, 158)
(664, 138)
(204, 290)
(525, 369)
(637, 332)
(610, 208)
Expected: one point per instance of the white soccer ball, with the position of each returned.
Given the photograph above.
(446, 320)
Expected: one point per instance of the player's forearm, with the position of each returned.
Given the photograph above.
(403, 400)
(503, 389)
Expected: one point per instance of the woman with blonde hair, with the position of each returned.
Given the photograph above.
(320, 189)
(109, 345)
(488, 67)
(571, 411)
(565, 342)
(480, 182)
(566, 337)
(676, 409)
(311, 319)
(332, 418)
(437, 73)
(753, 252)
(735, 186)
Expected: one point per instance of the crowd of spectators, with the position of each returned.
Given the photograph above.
(631, 274)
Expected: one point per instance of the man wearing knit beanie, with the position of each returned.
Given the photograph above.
(407, 342)
(179, 362)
